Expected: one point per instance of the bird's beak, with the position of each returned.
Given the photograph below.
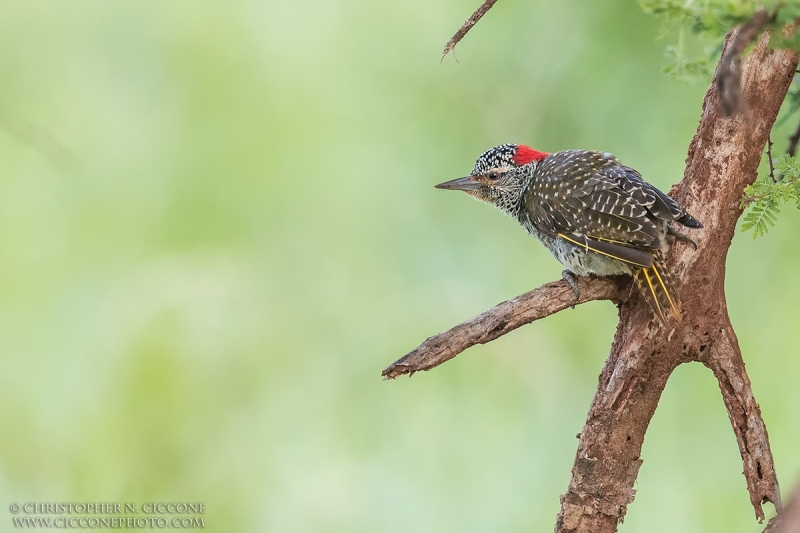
(468, 183)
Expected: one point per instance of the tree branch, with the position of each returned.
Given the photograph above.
(724, 358)
(503, 318)
(729, 70)
(471, 21)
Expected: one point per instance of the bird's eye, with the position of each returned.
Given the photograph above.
(493, 175)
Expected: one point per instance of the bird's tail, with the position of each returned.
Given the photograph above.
(658, 288)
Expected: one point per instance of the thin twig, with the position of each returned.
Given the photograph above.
(481, 11)
(729, 72)
(793, 140)
(769, 158)
(504, 318)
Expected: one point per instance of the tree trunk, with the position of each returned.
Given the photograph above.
(723, 159)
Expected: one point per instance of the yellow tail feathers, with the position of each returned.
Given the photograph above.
(658, 289)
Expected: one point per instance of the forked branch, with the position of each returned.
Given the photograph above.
(723, 159)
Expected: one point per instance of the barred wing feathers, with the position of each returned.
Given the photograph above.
(590, 199)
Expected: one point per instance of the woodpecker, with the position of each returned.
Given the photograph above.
(595, 215)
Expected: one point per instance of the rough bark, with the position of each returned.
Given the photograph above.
(470, 22)
(723, 159)
(503, 318)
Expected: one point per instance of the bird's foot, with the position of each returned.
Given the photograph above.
(681, 236)
(570, 278)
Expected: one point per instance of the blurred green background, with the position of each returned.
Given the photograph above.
(217, 226)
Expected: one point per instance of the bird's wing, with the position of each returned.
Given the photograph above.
(590, 199)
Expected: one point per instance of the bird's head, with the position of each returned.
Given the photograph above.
(495, 179)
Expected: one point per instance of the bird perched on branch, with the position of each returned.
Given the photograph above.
(595, 215)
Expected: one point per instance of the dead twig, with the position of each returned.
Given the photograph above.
(481, 11)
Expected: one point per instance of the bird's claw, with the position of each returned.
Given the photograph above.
(681, 237)
(570, 278)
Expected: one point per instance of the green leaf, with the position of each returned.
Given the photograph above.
(788, 166)
(761, 217)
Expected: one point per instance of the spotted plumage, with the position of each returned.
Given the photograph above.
(595, 215)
